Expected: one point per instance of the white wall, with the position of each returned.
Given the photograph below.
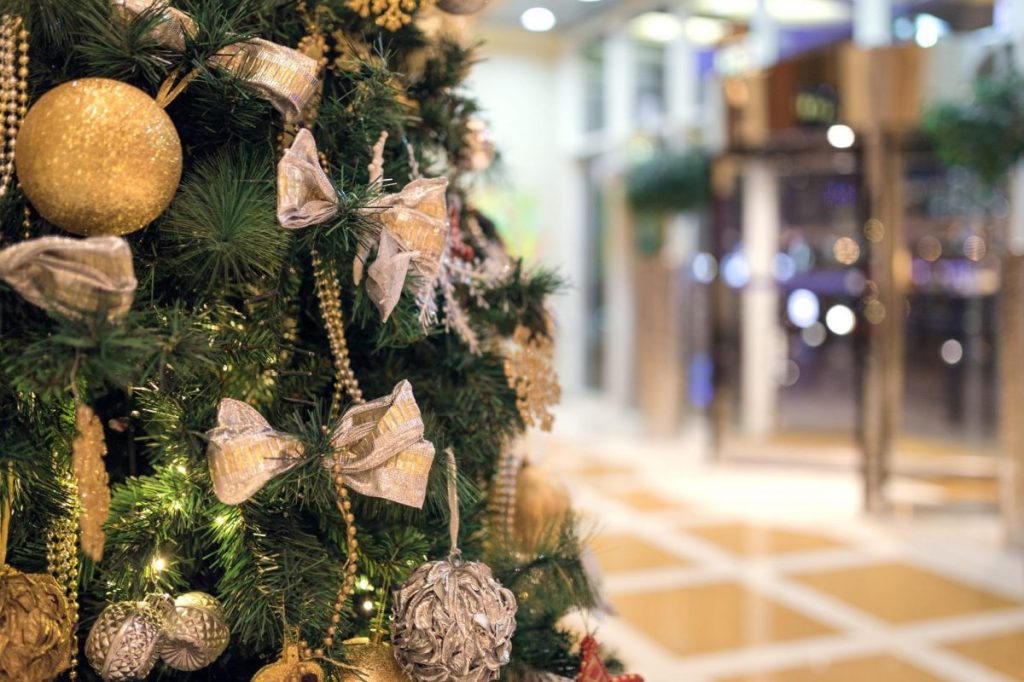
(519, 85)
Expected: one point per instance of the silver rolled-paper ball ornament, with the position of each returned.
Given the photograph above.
(123, 643)
(453, 622)
(194, 633)
(461, 6)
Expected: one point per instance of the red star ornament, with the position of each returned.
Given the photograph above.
(592, 669)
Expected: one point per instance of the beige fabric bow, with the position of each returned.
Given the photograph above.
(416, 220)
(75, 278)
(379, 444)
(286, 77)
(305, 195)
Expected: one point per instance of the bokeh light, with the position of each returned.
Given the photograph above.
(951, 351)
(802, 308)
(874, 230)
(846, 251)
(974, 248)
(814, 335)
(840, 320)
(929, 248)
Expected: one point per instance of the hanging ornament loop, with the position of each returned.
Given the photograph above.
(454, 554)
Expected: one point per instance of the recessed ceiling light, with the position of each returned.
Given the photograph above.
(538, 19)
(788, 12)
(656, 27)
(705, 30)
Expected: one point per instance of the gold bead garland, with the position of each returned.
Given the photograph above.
(62, 560)
(13, 91)
(328, 292)
(351, 565)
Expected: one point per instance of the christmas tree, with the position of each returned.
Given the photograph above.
(248, 311)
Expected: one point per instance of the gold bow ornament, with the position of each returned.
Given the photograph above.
(413, 221)
(305, 195)
(379, 445)
(286, 77)
(75, 278)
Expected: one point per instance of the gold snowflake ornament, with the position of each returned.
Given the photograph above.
(391, 14)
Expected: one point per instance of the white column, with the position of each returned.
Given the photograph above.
(761, 340)
(570, 305)
(619, 87)
(619, 104)
(681, 86)
(764, 37)
(872, 23)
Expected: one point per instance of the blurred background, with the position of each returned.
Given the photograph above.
(792, 350)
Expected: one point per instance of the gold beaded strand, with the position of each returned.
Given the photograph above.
(328, 292)
(13, 91)
(62, 558)
(350, 568)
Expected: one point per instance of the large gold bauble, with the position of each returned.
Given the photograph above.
(374, 661)
(542, 508)
(98, 157)
(35, 627)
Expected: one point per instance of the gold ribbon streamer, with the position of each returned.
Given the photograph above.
(305, 195)
(379, 444)
(75, 278)
(286, 77)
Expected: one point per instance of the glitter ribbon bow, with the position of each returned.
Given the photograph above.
(284, 76)
(305, 195)
(75, 278)
(414, 228)
(379, 444)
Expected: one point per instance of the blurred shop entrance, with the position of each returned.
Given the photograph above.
(859, 291)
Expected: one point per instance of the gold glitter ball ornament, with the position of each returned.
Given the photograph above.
(98, 157)
(35, 627)
(290, 667)
(374, 661)
(542, 508)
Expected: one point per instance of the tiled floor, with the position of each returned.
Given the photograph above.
(760, 574)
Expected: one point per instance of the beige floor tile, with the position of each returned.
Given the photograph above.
(715, 617)
(643, 500)
(870, 669)
(622, 552)
(899, 593)
(1004, 653)
(748, 541)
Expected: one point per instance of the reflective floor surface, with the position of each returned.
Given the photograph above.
(748, 573)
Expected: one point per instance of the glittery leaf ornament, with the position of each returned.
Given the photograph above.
(530, 374)
(87, 452)
(592, 667)
(305, 195)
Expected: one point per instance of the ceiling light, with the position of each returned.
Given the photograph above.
(656, 27)
(705, 30)
(928, 29)
(840, 136)
(787, 12)
(538, 19)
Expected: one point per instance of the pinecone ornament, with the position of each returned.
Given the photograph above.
(195, 633)
(123, 643)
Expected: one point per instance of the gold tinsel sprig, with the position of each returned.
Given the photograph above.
(390, 14)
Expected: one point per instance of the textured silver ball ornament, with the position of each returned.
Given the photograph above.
(123, 642)
(453, 622)
(461, 6)
(194, 633)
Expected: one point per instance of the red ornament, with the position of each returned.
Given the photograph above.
(592, 668)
